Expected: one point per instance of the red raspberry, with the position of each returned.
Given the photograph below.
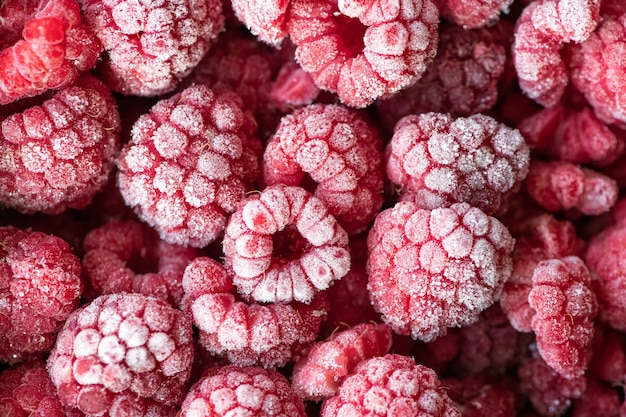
(391, 385)
(242, 391)
(123, 355)
(363, 50)
(472, 14)
(40, 285)
(56, 47)
(266, 19)
(246, 334)
(608, 362)
(293, 87)
(598, 400)
(321, 372)
(339, 151)
(13, 15)
(441, 160)
(477, 397)
(121, 256)
(58, 155)
(189, 163)
(150, 46)
(430, 270)
(283, 245)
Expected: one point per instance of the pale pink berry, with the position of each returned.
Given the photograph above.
(266, 19)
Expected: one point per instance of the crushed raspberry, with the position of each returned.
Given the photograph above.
(56, 47)
(561, 185)
(40, 286)
(123, 353)
(363, 50)
(242, 391)
(265, 19)
(336, 148)
(189, 163)
(392, 385)
(247, 334)
(283, 245)
(474, 13)
(440, 160)
(430, 270)
(58, 155)
(321, 372)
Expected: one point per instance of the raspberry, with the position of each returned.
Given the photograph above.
(474, 13)
(242, 391)
(294, 87)
(58, 155)
(40, 285)
(430, 270)
(340, 152)
(441, 160)
(246, 334)
(477, 397)
(608, 362)
(391, 385)
(151, 46)
(283, 245)
(189, 163)
(265, 19)
(13, 15)
(598, 400)
(321, 372)
(120, 255)
(363, 50)
(56, 47)
(123, 355)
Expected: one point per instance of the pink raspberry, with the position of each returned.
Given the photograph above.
(441, 160)
(364, 49)
(283, 245)
(242, 391)
(14, 14)
(321, 372)
(151, 46)
(40, 285)
(336, 148)
(59, 154)
(293, 87)
(430, 270)
(271, 335)
(56, 47)
(472, 14)
(123, 355)
(265, 19)
(391, 385)
(189, 163)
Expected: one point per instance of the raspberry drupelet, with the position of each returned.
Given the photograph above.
(283, 245)
(57, 155)
(472, 14)
(365, 49)
(430, 270)
(190, 161)
(390, 385)
(56, 47)
(242, 391)
(440, 160)
(266, 19)
(40, 286)
(150, 46)
(123, 355)
(336, 148)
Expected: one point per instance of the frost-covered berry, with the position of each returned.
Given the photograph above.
(189, 163)
(58, 155)
(336, 148)
(430, 270)
(440, 160)
(266, 19)
(473, 13)
(242, 391)
(123, 355)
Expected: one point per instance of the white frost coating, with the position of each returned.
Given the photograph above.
(312, 154)
(459, 243)
(442, 222)
(198, 408)
(318, 272)
(86, 343)
(214, 166)
(254, 246)
(161, 346)
(281, 210)
(250, 268)
(168, 141)
(476, 221)
(140, 360)
(249, 396)
(208, 313)
(133, 332)
(259, 218)
(443, 148)
(87, 372)
(501, 176)
(110, 350)
(441, 179)
(167, 178)
(187, 118)
(109, 321)
(222, 399)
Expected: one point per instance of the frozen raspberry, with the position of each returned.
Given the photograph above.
(293, 87)
(242, 391)
(283, 245)
(266, 19)
(127, 256)
(598, 400)
(478, 397)
(390, 385)
(150, 46)
(189, 163)
(56, 47)
(472, 14)
(321, 372)
(440, 160)
(123, 355)
(40, 285)
(561, 185)
(565, 307)
(364, 49)
(58, 155)
(608, 362)
(13, 15)
(247, 334)
(430, 270)
(336, 148)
